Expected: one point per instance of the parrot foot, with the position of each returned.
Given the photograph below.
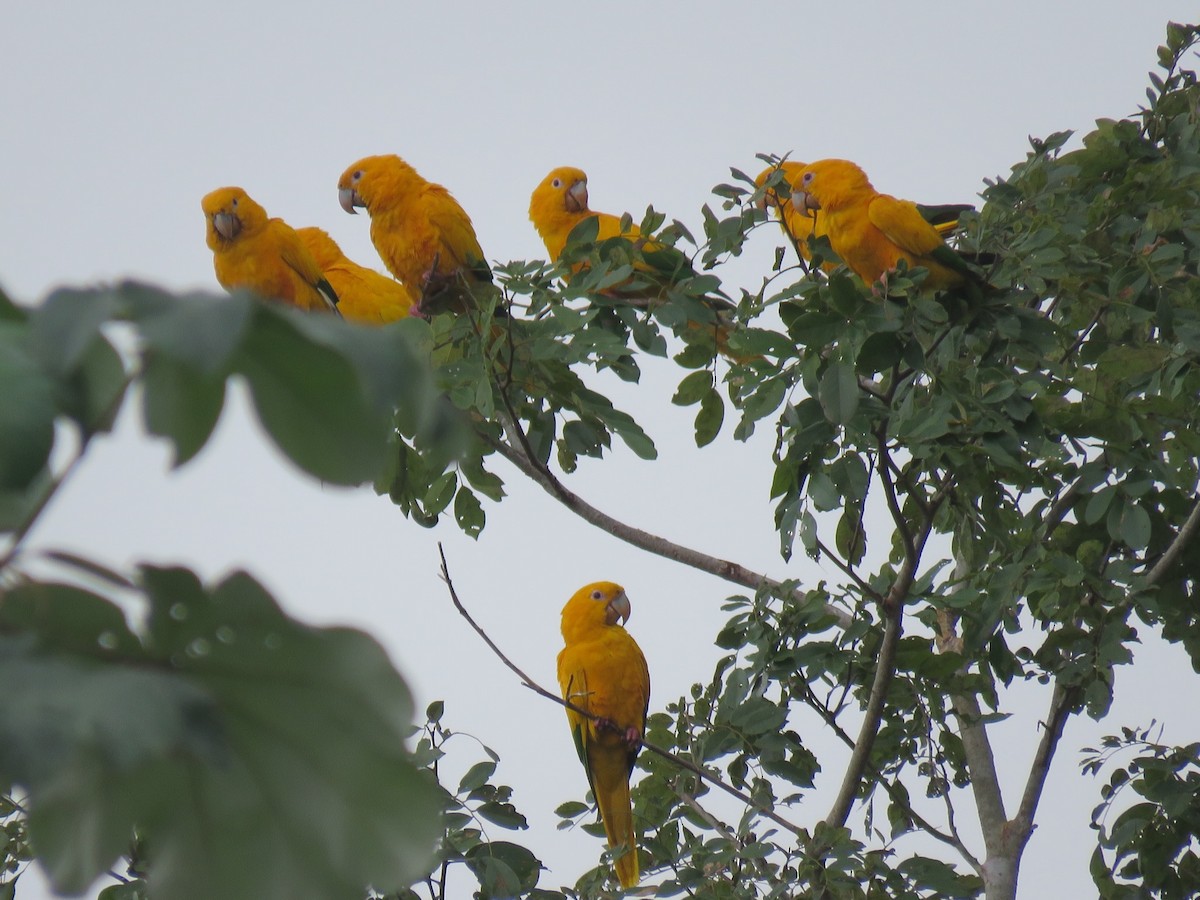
(631, 735)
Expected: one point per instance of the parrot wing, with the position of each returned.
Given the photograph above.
(902, 223)
(459, 246)
(296, 257)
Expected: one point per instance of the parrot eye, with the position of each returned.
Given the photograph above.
(235, 202)
(557, 182)
(808, 177)
(357, 175)
(597, 595)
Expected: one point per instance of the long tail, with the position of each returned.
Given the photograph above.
(610, 783)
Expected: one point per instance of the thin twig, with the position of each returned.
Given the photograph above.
(665, 754)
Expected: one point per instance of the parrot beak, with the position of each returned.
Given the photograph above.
(618, 609)
(349, 199)
(226, 224)
(577, 198)
(805, 200)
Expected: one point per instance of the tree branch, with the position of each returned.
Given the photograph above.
(1182, 539)
(1056, 720)
(644, 540)
(977, 747)
(873, 715)
(665, 754)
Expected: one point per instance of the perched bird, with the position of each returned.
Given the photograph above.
(262, 254)
(363, 294)
(602, 670)
(560, 203)
(422, 234)
(872, 232)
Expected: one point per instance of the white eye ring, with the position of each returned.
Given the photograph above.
(557, 182)
(357, 175)
(235, 201)
(597, 595)
(808, 176)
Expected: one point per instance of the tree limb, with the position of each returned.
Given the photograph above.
(644, 540)
(860, 758)
(1182, 539)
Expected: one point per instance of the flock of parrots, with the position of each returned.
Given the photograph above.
(427, 242)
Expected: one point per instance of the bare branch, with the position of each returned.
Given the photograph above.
(977, 747)
(860, 758)
(665, 754)
(1056, 719)
(1186, 533)
(644, 540)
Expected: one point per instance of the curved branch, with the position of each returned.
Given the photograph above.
(644, 540)
(665, 754)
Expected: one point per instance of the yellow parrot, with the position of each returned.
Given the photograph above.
(872, 232)
(422, 234)
(799, 225)
(363, 294)
(262, 254)
(560, 203)
(602, 670)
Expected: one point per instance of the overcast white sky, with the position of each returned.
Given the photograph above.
(119, 117)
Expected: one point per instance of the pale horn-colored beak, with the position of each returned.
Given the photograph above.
(805, 200)
(577, 197)
(348, 199)
(618, 609)
(227, 225)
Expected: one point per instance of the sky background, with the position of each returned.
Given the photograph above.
(119, 117)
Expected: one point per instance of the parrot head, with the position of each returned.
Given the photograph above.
(375, 180)
(770, 198)
(229, 211)
(601, 603)
(828, 183)
(563, 190)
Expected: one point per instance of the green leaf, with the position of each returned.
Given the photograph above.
(503, 814)
(477, 776)
(837, 392)
(129, 890)
(309, 399)
(314, 793)
(694, 387)
(92, 394)
(709, 418)
(468, 512)
(202, 332)
(181, 405)
(27, 412)
(66, 324)
(503, 869)
(1135, 526)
